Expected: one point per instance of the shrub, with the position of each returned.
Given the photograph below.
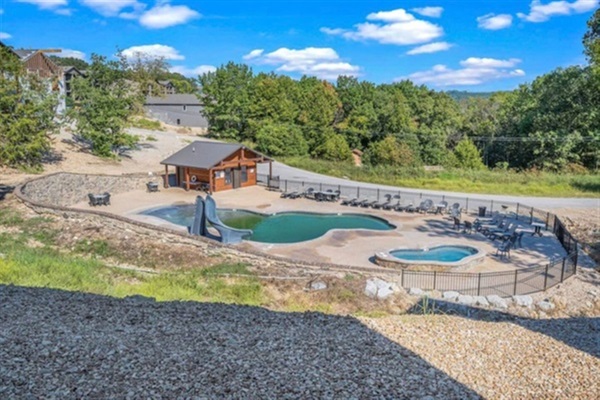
(391, 152)
(467, 155)
(281, 140)
(335, 148)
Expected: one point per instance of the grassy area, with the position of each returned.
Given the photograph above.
(486, 181)
(144, 123)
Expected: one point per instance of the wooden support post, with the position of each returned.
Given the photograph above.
(270, 170)
(187, 179)
(210, 180)
(166, 176)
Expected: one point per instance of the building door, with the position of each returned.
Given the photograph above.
(237, 178)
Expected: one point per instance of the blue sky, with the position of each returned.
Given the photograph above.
(475, 45)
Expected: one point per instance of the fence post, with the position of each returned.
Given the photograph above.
(421, 195)
(358, 192)
(515, 288)
(402, 277)
(479, 285)
(562, 271)
(547, 219)
(377, 194)
(546, 276)
(518, 211)
(434, 279)
(467, 207)
(492, 207)
(531, 219)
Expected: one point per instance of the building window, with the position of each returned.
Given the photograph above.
(184, 108)
(244, 173)
(228, 176)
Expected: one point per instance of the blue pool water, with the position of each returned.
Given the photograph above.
(289, 227)
(439, 254)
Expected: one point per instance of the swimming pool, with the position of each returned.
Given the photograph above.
(434, 258)
(288, 227)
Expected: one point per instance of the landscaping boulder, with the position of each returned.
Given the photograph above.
(450, 295)
(497, 301)
(416, 292)
(318, 285)
(523, 301)
(545, 305)
(380, 289)
(481, 301)
(466, 300)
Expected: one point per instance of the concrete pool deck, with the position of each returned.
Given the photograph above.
(350, 247)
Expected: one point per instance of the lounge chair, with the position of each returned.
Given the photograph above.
(505, 234)
(320, 196)
(369, 203)
(381, 204)
(359, 203)
(410, 207)
(391, 205)
(347, 202)
(309, 193)
(106, 199)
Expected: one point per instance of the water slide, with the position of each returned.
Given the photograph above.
(206, 210)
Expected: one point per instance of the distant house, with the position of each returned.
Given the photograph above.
(177, 109)
(165, 87)
(215, 166)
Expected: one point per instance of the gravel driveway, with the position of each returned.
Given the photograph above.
(56, 344)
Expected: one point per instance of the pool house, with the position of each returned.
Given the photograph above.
(214, 166)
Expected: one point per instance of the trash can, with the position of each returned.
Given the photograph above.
(482, 211)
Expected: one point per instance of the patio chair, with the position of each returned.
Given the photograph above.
(106, 199)
(425, 206)
(489, 230)
(468, 227)
(152, 187)
(359, 203)
(442, 206)
(504, 249)
(93, 200)
(320, 196)
(409, 207)
(368, 203)
(309, 193)
(347, 202)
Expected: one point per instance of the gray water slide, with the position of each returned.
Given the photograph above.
(228, 235)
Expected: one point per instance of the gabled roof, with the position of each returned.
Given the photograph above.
(25, 54)
(205, 155)
(173, 100)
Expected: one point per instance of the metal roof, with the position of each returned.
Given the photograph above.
(204, 155)
(24, 54)
(173, 100)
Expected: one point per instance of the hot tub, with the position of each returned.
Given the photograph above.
(436, 258)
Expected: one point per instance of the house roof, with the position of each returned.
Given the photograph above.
(24, 54)
(174, 100)
(205, 155)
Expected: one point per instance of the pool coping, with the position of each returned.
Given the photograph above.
(387, 260)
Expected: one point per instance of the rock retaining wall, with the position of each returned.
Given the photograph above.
(65, 189)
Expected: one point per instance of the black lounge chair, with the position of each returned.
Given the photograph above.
(359, 203)
(309, 193)
(319, 196)
(290, 195)
(381, 204)
(407, 207)
(392, 205)
(348, 202)
(368, 203)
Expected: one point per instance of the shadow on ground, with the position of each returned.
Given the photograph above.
(62, 344)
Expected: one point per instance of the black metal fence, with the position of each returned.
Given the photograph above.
(509, 283)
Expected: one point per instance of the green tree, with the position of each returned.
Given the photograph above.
(591, 39)
(225, 95)
(467, 155)
(335, 148)
(27, 114)
(281, 140)
(391, 152)
(103, 102)
(81, 65)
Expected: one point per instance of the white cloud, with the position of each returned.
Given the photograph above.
(395, 27)
(323, 63)
(476, 62)
(4, 35)
(45, 4)
(164, 15)
(430, 48)
(539, 12)
(433, 12)
(253, 54)
(192, 72)
(112, 8)
(71, 53)
(475, 71)
(153, 51)
(494, 22)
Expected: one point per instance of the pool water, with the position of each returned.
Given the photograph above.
(440, 254)
(286, 227)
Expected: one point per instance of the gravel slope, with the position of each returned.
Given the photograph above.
(69, 345)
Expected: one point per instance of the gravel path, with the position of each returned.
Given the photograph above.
(56, 344)
(518, 359)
